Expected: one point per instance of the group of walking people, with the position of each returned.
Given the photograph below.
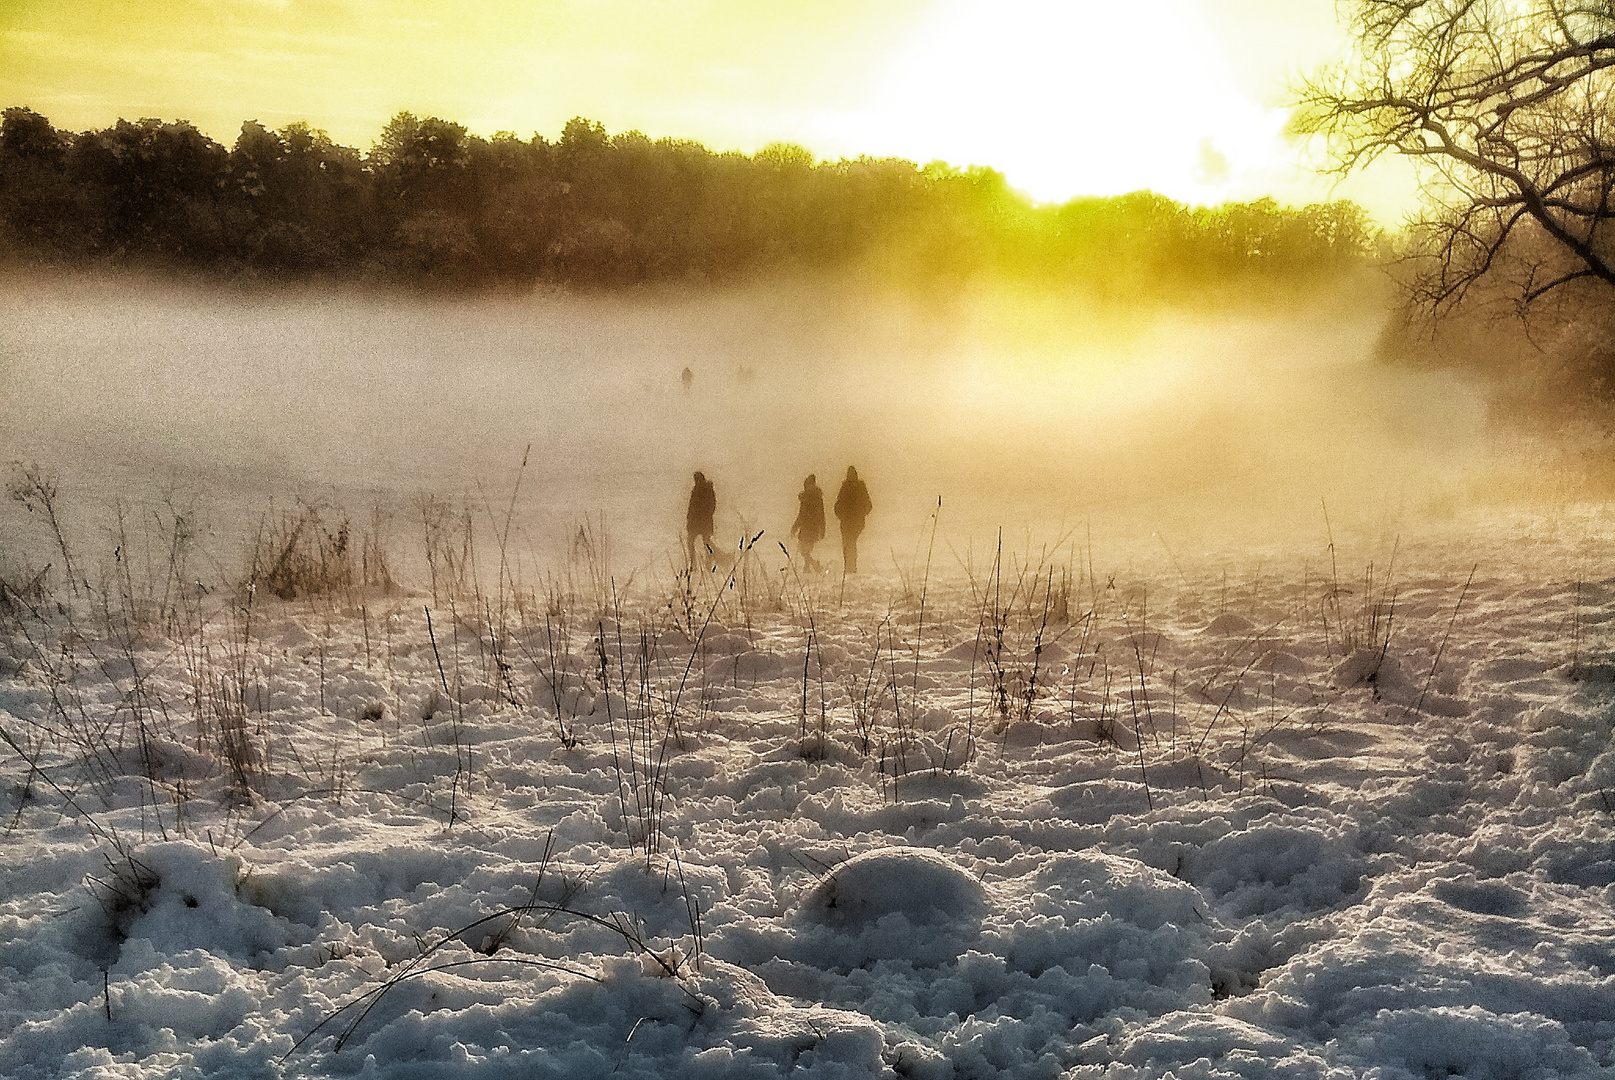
(852, 507)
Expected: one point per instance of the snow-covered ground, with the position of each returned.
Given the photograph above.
(1273, 738)
(1335, 812)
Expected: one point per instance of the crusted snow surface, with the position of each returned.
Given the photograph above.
(1217, 820)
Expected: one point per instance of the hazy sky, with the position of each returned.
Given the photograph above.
(1065, 96)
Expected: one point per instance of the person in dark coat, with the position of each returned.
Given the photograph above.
(852, 507)
(809, 525)
(698, 518)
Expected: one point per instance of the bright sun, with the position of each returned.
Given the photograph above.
(1069, 98)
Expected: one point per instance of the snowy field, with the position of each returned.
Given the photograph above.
(498, 790)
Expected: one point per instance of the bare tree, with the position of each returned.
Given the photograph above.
(1506, 106)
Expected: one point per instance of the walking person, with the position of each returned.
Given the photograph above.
(698, 518)
(809, 524)
(852, 507)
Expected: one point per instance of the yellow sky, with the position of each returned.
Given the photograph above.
(1066, 97)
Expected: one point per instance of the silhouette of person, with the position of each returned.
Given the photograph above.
(852, 507)
(698, 518)
(809, 525)
(687, 378)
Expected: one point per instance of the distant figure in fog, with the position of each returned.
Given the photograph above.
(698, 518)
(687, 379)
(852, 507)
(809, 525)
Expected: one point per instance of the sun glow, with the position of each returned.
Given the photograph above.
(1059, 97)
(1083, 97)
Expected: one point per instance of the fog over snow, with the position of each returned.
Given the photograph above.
(1272, 738)
(1028, 411)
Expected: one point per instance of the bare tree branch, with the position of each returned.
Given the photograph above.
(1508, 107)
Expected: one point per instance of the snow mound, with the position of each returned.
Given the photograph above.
(1228, 625)
(1273, 867)
(1468, 1041)
(892, 904)
(1092, 912)
(1377, 670)
(1194, 1036)
(916, 883)
(1093, 884)
(192, 900)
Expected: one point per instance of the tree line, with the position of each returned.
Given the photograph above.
(431, 201)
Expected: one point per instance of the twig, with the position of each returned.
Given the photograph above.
(1419, 705)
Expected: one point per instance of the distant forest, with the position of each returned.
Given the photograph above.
(432, 202)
